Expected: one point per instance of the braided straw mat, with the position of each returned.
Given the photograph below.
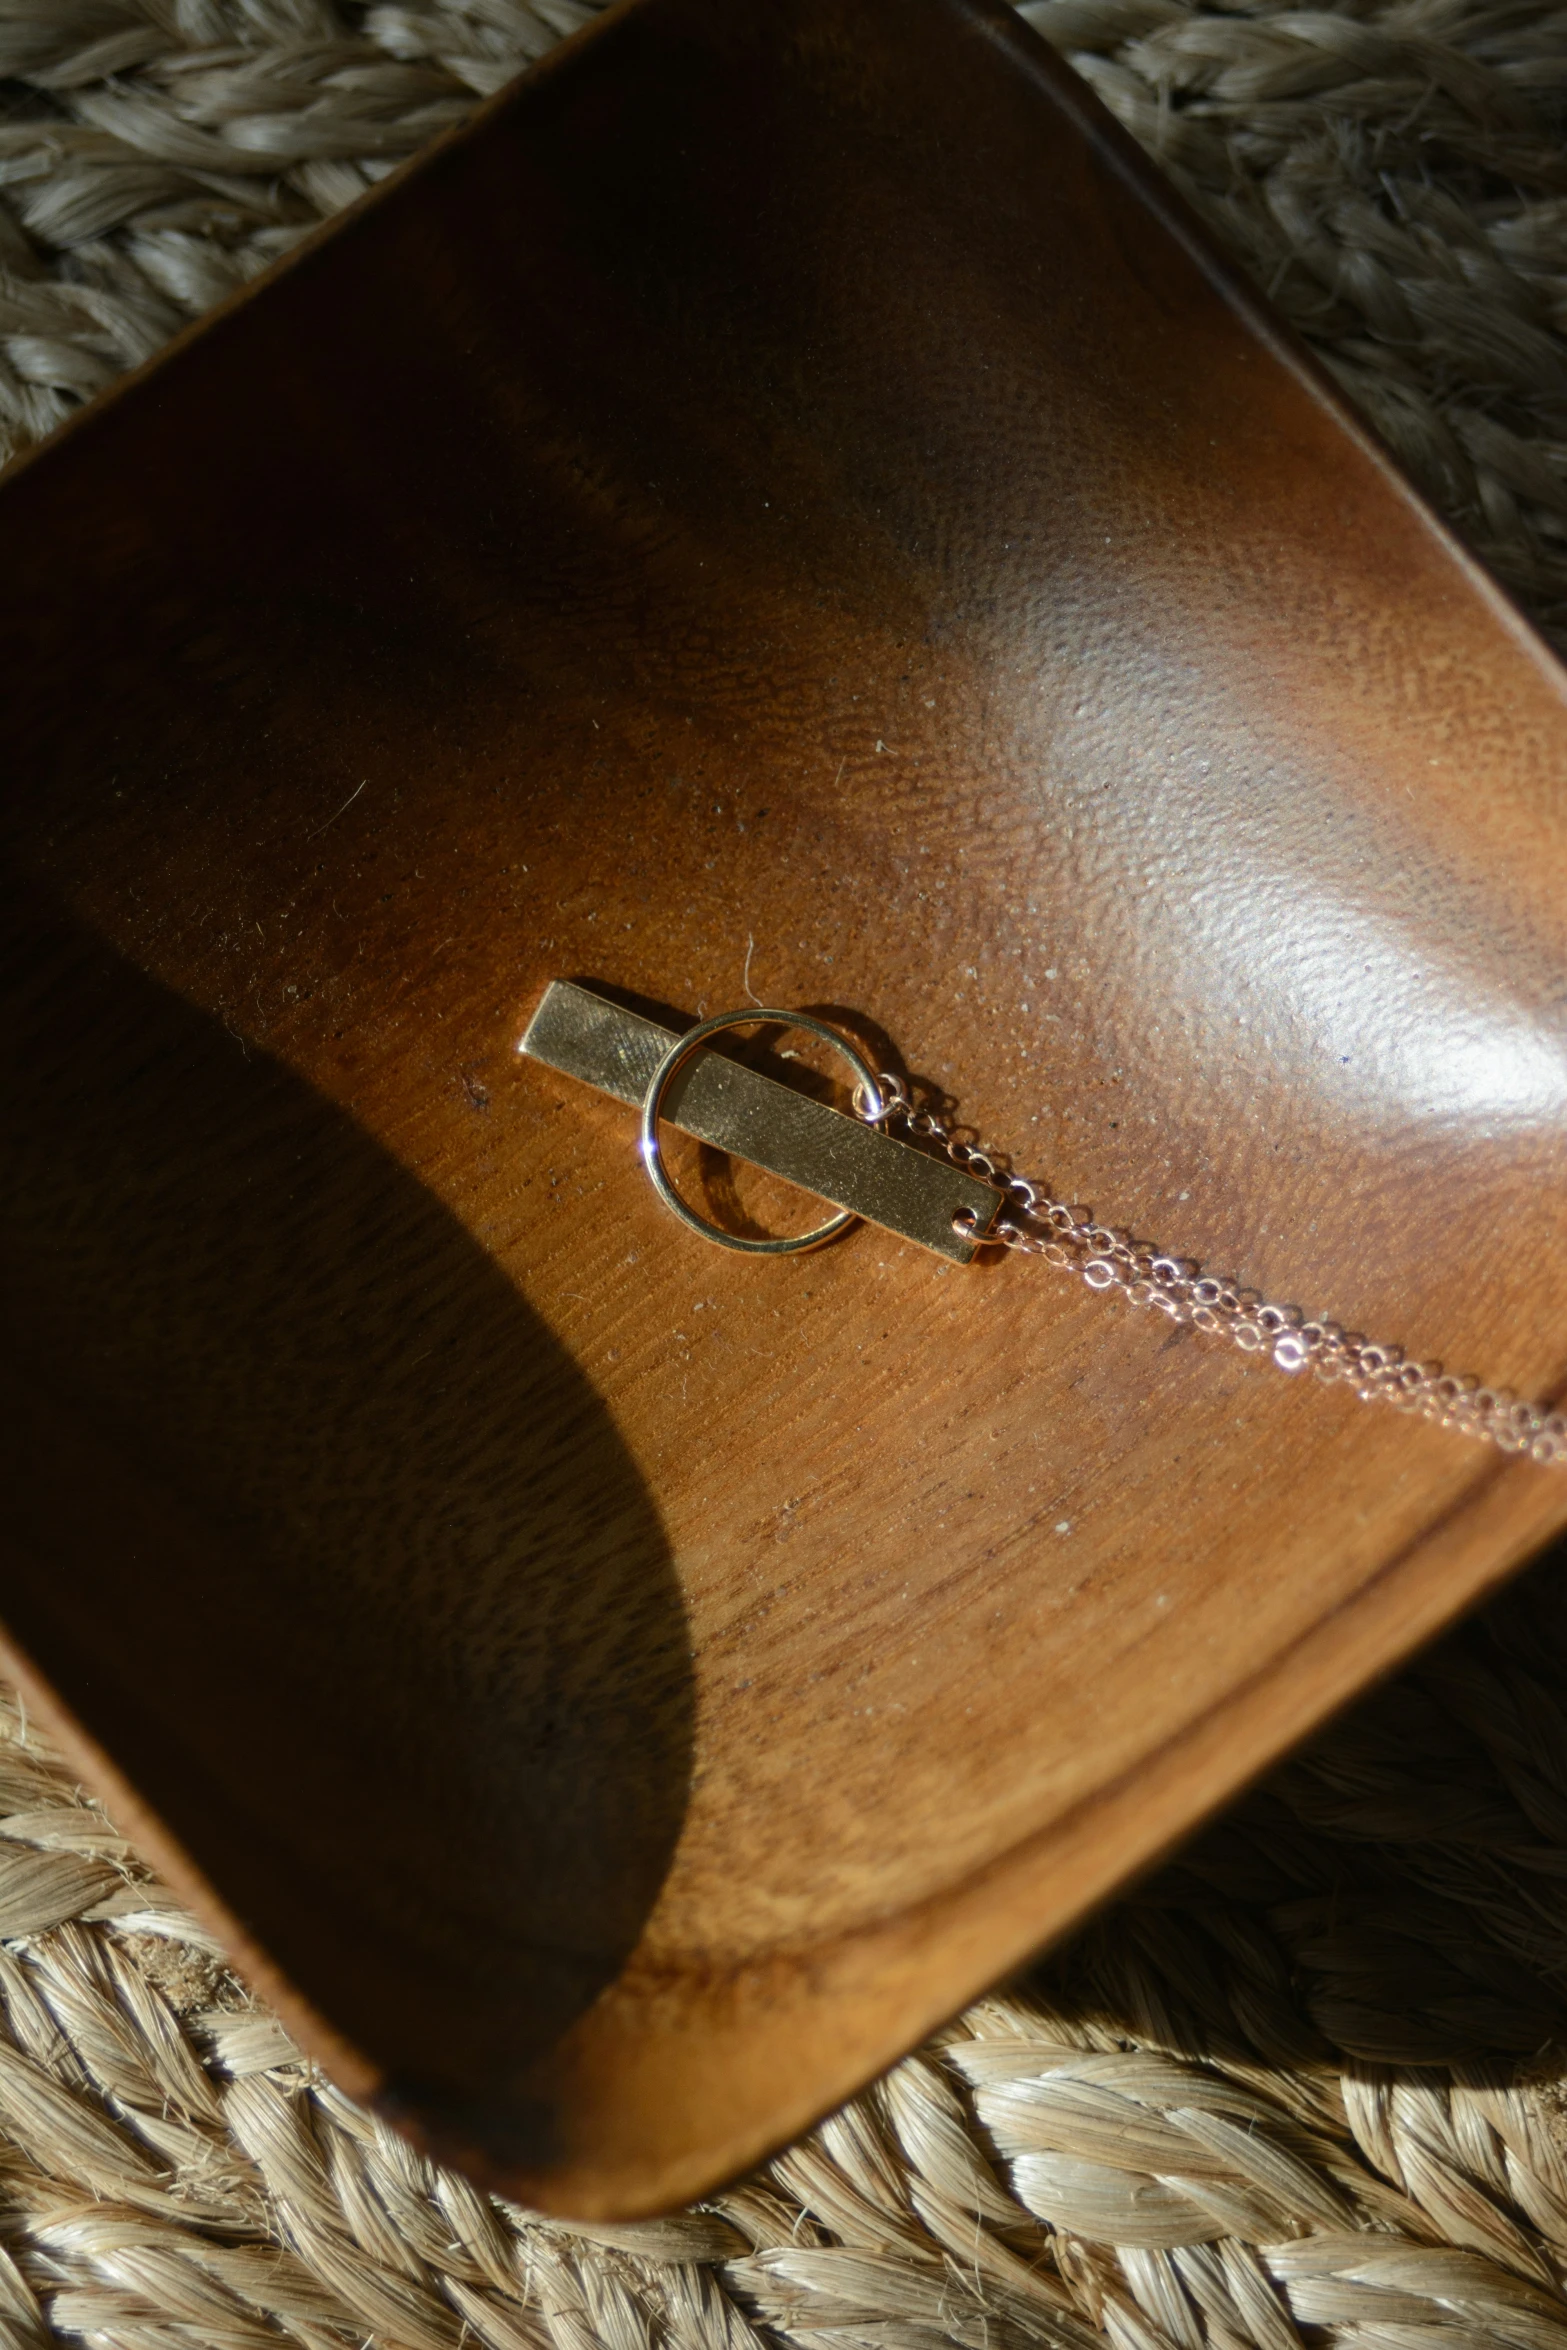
(1310, 2086)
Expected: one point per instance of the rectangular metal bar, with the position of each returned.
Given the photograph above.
(753, 1116)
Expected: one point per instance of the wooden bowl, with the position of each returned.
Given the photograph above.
(787, 503)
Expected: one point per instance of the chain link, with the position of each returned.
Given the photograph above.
(1070, 1239)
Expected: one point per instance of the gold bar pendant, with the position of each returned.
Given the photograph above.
(718, 1101)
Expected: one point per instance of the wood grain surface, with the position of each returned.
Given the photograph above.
(788, 484)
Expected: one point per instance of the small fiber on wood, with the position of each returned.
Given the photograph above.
(1304, 2087)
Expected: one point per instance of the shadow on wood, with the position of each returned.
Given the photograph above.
(343, 1484)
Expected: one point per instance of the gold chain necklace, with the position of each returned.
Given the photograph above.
(1070, 1239)
(955, 1199)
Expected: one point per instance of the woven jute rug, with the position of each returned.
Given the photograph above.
(1310, 2086)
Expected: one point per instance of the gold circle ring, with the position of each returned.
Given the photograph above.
(679, 1053)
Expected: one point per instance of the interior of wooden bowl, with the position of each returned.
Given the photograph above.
(786, 507)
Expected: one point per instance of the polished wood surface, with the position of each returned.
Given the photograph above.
(788, 498)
